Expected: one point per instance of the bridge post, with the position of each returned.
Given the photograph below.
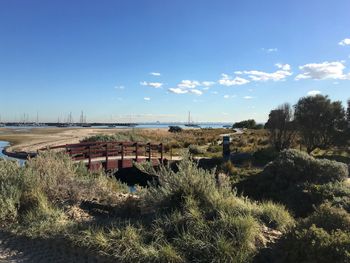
(137, 151)
(161, 152)
(89, 157)
(106, 155)
(122, 149)
(226, 148)
(149, 152)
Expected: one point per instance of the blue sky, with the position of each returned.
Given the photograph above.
(222, 60)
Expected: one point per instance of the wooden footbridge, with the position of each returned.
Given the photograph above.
(113, 155)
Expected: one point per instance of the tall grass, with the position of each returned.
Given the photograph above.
(34, 197)
(189, 217)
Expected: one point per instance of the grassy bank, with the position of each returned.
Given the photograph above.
(295, 209)
(190, 217)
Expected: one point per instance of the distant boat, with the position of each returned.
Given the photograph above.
(190, 123)
(86, 125)
(63, 125)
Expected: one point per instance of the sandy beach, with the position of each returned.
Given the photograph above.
(30, 140)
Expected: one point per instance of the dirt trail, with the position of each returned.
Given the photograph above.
(14, 249)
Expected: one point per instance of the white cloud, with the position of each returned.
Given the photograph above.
(188, 84)
(185, 91)
(155, 85)
(157, 74)
(215, 92)
(147, 98)
(229, 96)
(248, 97)
(284, 71)
(325, 70)
(119, 87)
(226, 80)
(314, 92)
(281, 74)
(178, 91)
(207, 83)
(283, 66)
(196, 91)
(269, 50)
(345, 42)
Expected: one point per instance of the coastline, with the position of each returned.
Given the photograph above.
(24, 142)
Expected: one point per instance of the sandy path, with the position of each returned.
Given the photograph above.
(34, 139)
(23, 250)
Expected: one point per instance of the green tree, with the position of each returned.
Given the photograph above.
(281, 127)
(320, 122)
(348, 121)
(249, 124)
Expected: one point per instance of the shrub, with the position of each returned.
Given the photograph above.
(289, 179)
(10, 189)
(131, 136)
(322, 237)
(295, 166)
(214, 148)
(195, 149)
(249, 124)
(34, 195)
(61, 180)
(175, 129)
(188, 217)
(264, 156)
(337, 194)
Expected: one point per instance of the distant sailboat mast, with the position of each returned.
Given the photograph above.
(190, 122)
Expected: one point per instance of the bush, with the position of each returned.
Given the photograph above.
(295, 166)
(175, 129)
(337, 194)
(289, 179)
(322, 237)
(214, 148)
(35, 195)
(10, 189)
(195, 149)
(131, 136)
(188, 217)
(249, 124)
(264, 156)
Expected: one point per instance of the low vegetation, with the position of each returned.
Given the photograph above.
(322, 237)
(296, 179)
(189, 217)
(34, 198)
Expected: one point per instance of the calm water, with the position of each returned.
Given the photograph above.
(3, 144)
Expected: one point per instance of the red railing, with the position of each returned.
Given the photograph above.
(113, 155)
